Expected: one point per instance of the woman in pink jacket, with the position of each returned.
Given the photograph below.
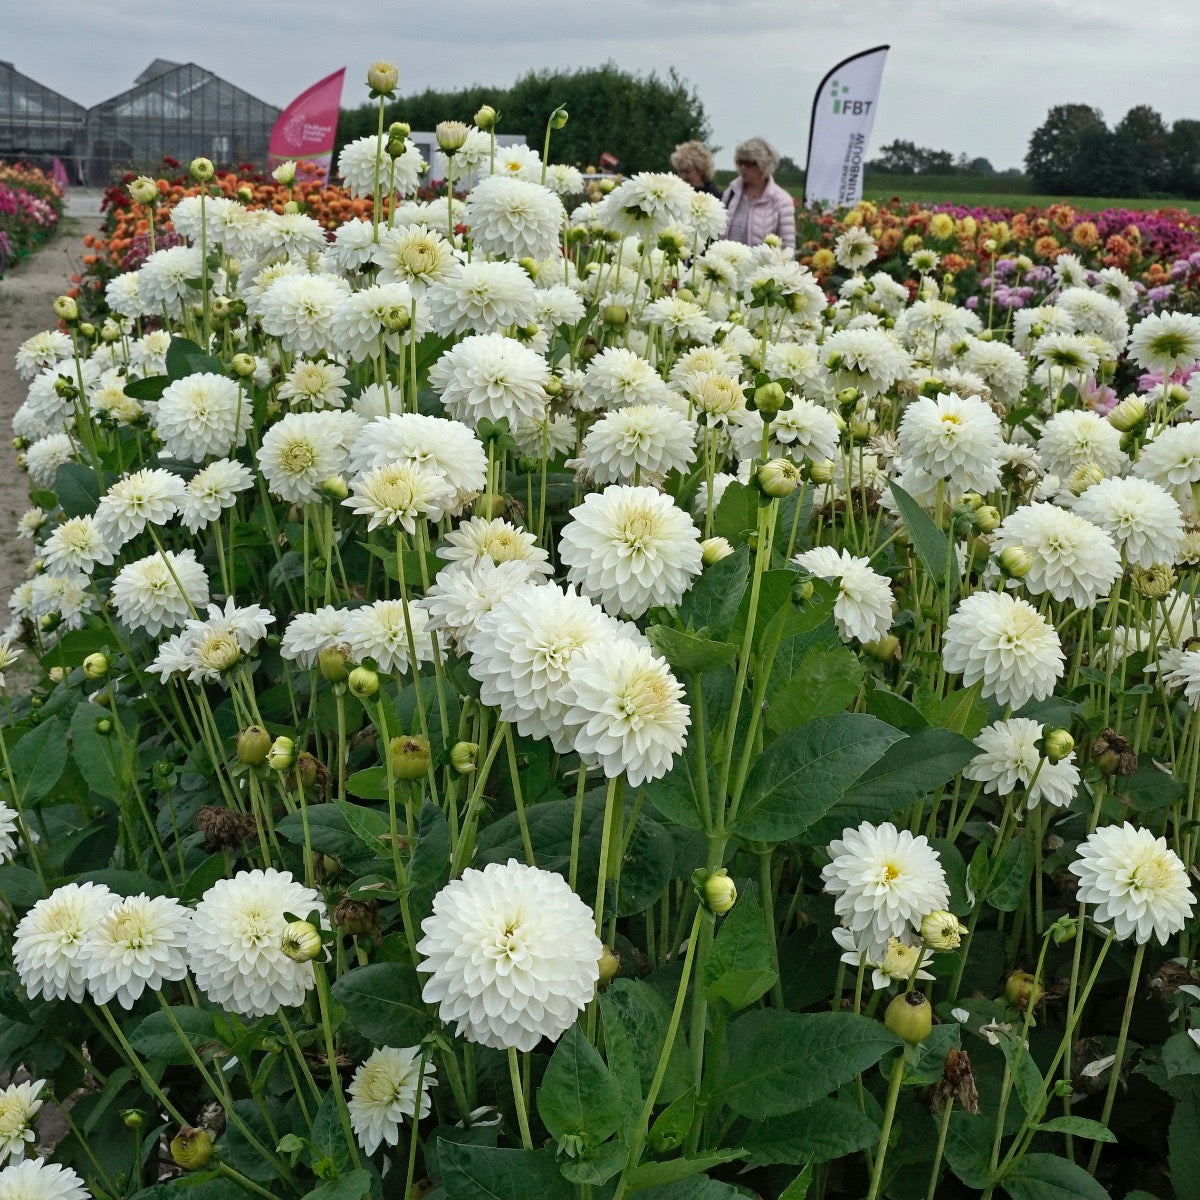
(757, 205)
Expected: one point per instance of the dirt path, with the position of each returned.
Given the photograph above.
(27, 294)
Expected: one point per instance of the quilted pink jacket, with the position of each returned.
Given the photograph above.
(773, 212)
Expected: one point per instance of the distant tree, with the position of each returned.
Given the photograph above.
(639, 118)
(1184, 155)
(973, 166)
(906, 158)
(1139, 163)
(1063, 150)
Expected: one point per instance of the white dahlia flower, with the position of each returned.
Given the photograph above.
(76, 545)
(36, 1179)
(42, 350)
(1077, 437)
(1011, 757)
(400, 494)
(211, 490)
(301, 311)
(151, 496)
(630, 548)
(302, 450)
(1165, 340)
(625, 711)
(384, 1091)
(495, 539)
(864, 605)
(511, 954)
(201, 416)
(368, 321)
(380, 631)
(8, 825)
(641, 439)
(956, 438)
(491, 376)
(357, 167)
(160, 591)
(1142, 518)
(481, 297)
(236, 942)
(163, 278)
(1004, 643)
(1136, 881)
(20, 1104)
(317, 383)
(806, 431)
(1172, 459)
(414, 255)
(139, 942)
(308, 634)
(617, 377)
(465, 591)
(868, 359)
(514, 219)
(45, 455)
(886, 881)
(49, 946)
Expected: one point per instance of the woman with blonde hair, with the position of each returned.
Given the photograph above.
(693, 163)
(757, 205)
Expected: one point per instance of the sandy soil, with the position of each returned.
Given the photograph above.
(27, 294)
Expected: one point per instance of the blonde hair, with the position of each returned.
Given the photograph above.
(760, 152)
(693, 156)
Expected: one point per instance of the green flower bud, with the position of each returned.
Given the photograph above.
(615, 315)
(713, 549)
(942, 930)
(451, 136)
(485, 117)
(716, 891)
(144, 190)
(243, 365)
(282, 754)
(192, 1149)
(66, 310)
(332, 663)
(133, 1118)
(610, 965)
(382, 78)
(1022, 989)
(778, 477)
(1015, 562)
(399, 129)
(110, 331)
(104, 727)
(87, 329)
(1084, 476)
(769, 398)
(558, 118)
(1057, 744)
(201, 169)
(409, 756)
(95, 666)
(1064, 930)
(1128, 414)
(910, 1017)
(822, 472)
(363, 683)
(253, 745)
(986, 518)
(1154, 581)
(464, 757)
(885, 649)
(334, 489)
(301, 941)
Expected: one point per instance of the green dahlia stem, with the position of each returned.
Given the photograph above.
(889, 1115)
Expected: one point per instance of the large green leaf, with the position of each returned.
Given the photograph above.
(37, 760)
(819, 1132)
(805, 772)
(644, 1016)
(1048, 1177)
(932, 546)
(651, 1174)
(1184, 1148)
(824, 683)
(78, 489)
(185, 357)
(578, 1094)
(354, 1185)
(383, 1002)
(156, 1038)
(739, 968)
(969, 1148)
(713, 600)
(94, 752)
(688, 653)
(781, 1061)
(487, 1173)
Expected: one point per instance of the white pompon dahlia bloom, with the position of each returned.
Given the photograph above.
(1165, 340)
(491, 376)
(886, 882)
(1076, 437)
(400, 494)
(151, 496)
(76, 545)
(384, 1091)
(1136, 881)
(514, 219)
(381, 631)
(640, 439)
(625, 711)
(48, 946)
(481, 297)
(236, 942)
(1141, 517)
(449, 447)
(211, 491)
(202, 416)
(511, 954)
(631, 548)
(956, 438)
(496, 539)
(308, 633)
(864, 605)
(1072, 558)
(1172, 459)
(1004, 643)
(140, 942)
(304, 449)
(36, 1179)
(19, 1107)
(8, 828)
(1011, 757)
(160, 591)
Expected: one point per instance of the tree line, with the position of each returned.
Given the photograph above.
(1073, 152)
(638, 118)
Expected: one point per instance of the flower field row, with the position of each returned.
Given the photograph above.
(556, 704)
(31, 204)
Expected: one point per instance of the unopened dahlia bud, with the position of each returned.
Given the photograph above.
(1064, 930)
(464, 756)
(942, 930)
(1084, 476)
(1022, 989)
(1128, 414)
(282, 754)
(986, 518)
(66, 309)
(301, 941)
(285, 173)
(245, 194)
(1015, 562)
(363, 683)
(87, 329)
(885, 649)
(822, 472)
(714, 549)
(610, 964)
(409, 756)
(1057, 745)
(615, 315)
(1154, 581)
(777, 478)
(95, 666)
(133, 1118)
(769, 398)
(910, 1017)
(451, 136)
(144, 190)
(192, 1149)
(382, 78)
(399, 130)
(243, 365)
(334, 489)
(201, 169)
(717, 892)
(332, 663)
(558, 118)
(253, 745)
(110, 331)
(485, 117)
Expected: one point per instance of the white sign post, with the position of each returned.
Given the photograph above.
(842, 115)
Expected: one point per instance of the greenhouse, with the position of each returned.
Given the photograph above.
(178, 110)
(36, 123)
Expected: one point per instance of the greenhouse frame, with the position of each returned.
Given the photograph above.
(37, 124)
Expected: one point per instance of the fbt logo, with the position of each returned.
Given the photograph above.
(844, 105)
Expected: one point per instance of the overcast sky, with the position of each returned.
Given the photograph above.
(973, 76)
